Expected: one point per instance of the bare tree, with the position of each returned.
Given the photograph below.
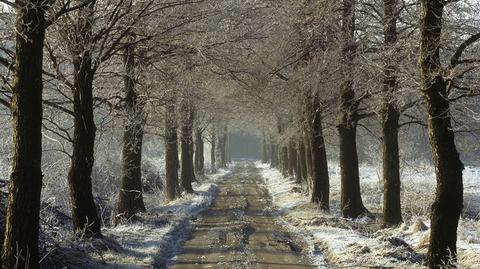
(320, 179)
(352, 205)
(392, 210)
(187, 168)
(213, 144)
(171, 149)
(436, 87)
(84, 211)
(199, 161)
(222, 147)
(20, 248)
(130, 200)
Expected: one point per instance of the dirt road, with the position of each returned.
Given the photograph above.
(240, 231)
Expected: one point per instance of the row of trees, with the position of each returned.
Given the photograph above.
(317, 69)
(69, 58)
(353, 64)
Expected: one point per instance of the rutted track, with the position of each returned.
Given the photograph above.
(239, 231)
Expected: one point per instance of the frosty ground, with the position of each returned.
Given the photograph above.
(362, 242)
(293, 229)
(151, 240)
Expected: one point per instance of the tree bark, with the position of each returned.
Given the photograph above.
(292, 159)
(321, 181)
(280, 158)
(84, 211)
(284, 155)
(264, 148)
(187, 173)
(448, 203)
(130, 199)
(302, 161)
(392, 210)
(191, 151)
(309, 163)
(273, 153)
(351, 201)
(213, 145)
(199, 151)
(171, 150)
(228, 149)
(20, 245)
(222, 150)
(282, 151)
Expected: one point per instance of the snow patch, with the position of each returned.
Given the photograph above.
(341, 242)
(151, 241)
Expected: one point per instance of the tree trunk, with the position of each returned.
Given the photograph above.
(264, 148)
(273, 153)
(280, 157)
(222, 150)
(351, 201)
(191, 151)
(302, 161)
(213, 145)
(199, 151)
(392, 210)
(299, 174)
(171, 150)
(228, 151)
(130, 199)
(321, 182)
(309, 163)
(84, 211)
(448, 203)
(292, 159)
(307, 141)
(282, 153)
(187, 169)
(285, 160)
(20, 245)
(225, 150)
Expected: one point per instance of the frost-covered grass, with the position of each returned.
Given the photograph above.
(151, 240)
(342, 242)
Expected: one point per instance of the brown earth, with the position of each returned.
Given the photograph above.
(240, 231)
